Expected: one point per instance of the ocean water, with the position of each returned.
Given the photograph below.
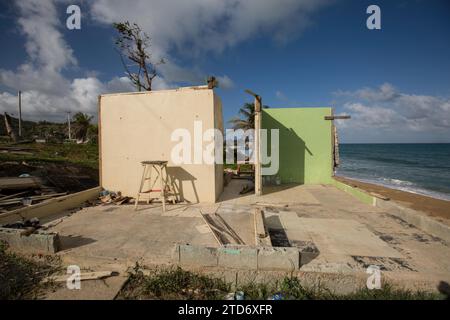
(417, 168)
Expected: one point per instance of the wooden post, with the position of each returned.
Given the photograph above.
(258, 178)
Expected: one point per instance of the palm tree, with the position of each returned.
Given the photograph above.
(81, 125)
(246, 118)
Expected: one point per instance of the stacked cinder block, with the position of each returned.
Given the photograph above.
(237, 257)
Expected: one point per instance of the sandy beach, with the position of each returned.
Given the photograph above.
(434, 207)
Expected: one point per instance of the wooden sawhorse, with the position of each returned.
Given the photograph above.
(160, 167)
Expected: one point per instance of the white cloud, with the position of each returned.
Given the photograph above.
(212, 25)
(225, 82)
(197, 27)
(189, 28)
(386, 109)
(47, 94)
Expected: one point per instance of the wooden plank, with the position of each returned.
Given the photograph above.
(260, 232)
(97, 275)
(229, 230)
(33, 198)
(13, 195)
(222, 232)
(50, 207)
(13, 183)
(216, 234)
(262, 237)
(343, 117)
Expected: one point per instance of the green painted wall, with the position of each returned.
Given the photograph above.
(305, 143)
(359, 194)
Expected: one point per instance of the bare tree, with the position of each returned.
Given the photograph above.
(133, 45)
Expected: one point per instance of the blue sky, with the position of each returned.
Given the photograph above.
(395, 82)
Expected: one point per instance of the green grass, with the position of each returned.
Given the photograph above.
(173, 284)
(20, 277)
(81, 154)
(179, 284)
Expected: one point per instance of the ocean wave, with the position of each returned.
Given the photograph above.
(406, 186)
(398, 182)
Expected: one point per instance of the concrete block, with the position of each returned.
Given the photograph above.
(196, 255)
(238, 257)
(278, 258)
(38, 242)
(307, 250)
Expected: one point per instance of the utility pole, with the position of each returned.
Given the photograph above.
(20, 113)
(68, 121)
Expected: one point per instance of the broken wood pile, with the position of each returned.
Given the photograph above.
(31, 190)
(221, 230)
(107, 197)
(95, 275)
(28, 226)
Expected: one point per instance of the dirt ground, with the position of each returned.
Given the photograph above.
(431, 206)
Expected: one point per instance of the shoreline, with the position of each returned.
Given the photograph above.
(434, 207)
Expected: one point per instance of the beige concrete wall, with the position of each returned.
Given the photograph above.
(218, 124)
(137, 126)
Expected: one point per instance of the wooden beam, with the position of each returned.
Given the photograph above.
(50, 207)
(262, 237)
(13, 183)
(343, 117)
(260, 232)
(96, 275)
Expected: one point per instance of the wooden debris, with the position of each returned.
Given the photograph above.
(260, 232)
(116, 198)
(212, 82)
(32, 198)
(336, 158)
(216, 234)
(343, 117)
(27, 231)
(97, 275)
(246, 189)
(13, 183)
(13, 195)
(221, 231)
(262, 237)
(274, 205)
